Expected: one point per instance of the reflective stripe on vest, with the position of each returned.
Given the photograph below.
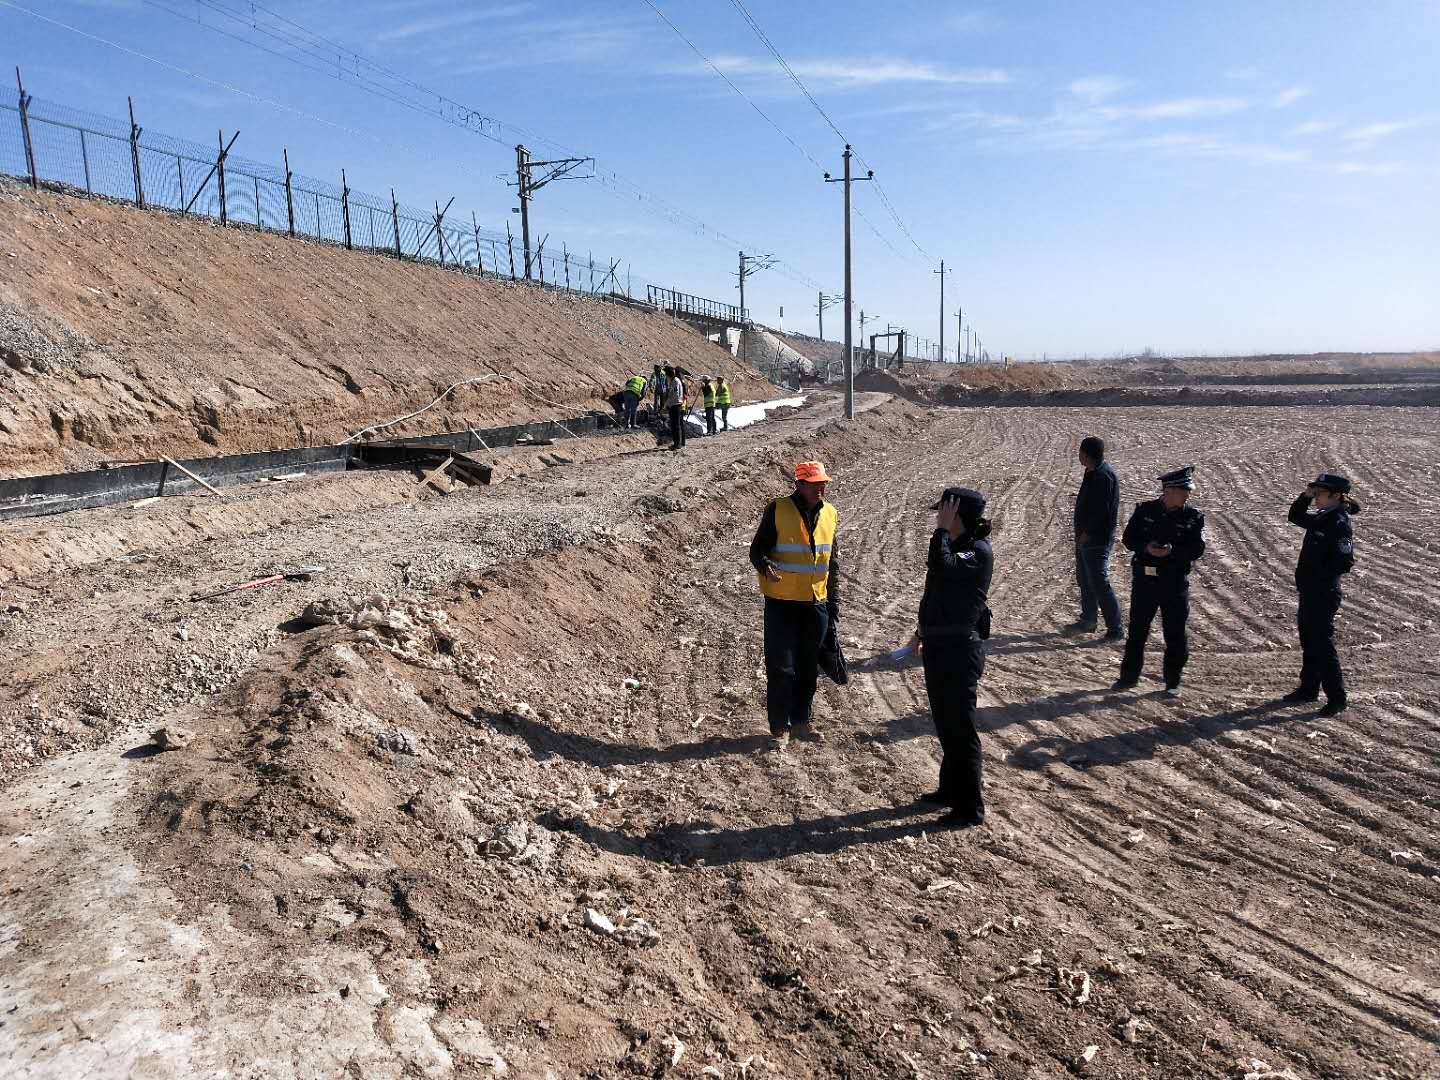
(804, 566)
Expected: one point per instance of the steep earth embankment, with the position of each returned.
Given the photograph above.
(126, 334)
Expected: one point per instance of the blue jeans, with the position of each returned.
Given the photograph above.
(632, 406)
(1092, 571)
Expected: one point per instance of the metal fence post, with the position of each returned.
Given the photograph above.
(180, 175)
(319, 232)
(85, 160)
(591, 256)
(566, 249)
(289, 194)
(479, 258)
(371, 211)
(257, 201)
(25, 131)
(220, 176)
(495, 258)
(510, 243)
(345, 208)
(135, 130)
(395, 220)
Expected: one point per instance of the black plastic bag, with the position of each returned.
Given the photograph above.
(832, 658)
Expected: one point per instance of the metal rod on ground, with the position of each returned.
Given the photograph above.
(187, 472)
(25, 131)
(135, 130)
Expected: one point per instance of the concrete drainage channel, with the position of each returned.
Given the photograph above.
(57, 493)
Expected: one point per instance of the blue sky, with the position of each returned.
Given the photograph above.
(1218, 177)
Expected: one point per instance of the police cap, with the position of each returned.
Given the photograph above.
(1180, 478)
(1332, 482)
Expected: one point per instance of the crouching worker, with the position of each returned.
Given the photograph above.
(795, 556)
(954, 621)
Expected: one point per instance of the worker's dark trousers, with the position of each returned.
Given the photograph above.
(1097, 596)
(953, 666)
(709, 419)
(1320, 668)
(725, 416)
(677, 427)
(632, 406)
(794, 630)
(1172, 599)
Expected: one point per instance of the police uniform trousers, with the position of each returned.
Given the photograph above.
(1320, 666)
(953, 666)
(1172, 600)
(794, 630)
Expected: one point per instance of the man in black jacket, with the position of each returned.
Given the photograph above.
(1097, 509)
(1166, 536)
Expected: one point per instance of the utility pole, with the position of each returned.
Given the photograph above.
(751, 264)
(959, 331)
(821, 304)
(849, 292)
(941, 272)
(527, 185)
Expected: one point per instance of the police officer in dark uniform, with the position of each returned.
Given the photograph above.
(1166, 536)
(954, 621)
(1328, 552)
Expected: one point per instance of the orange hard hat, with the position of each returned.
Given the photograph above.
(811, 472)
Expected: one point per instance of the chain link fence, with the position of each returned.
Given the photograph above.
(57, 145)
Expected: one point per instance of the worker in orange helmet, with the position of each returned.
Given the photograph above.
(797, 563)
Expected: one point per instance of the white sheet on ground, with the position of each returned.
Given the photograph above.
(745, 415)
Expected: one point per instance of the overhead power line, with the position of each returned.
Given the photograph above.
(291, 41)
(805, 90)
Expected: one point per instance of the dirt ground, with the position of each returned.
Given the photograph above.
(519, 819)
(126, 334)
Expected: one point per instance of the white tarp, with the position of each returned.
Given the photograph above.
(745, 415)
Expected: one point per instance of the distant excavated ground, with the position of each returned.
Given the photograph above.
(126, 334)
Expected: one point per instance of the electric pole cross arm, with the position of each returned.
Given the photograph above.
(528, 183)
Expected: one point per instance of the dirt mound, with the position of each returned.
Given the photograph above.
(126, 334)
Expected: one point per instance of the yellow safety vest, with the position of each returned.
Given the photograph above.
(707, 392)
(803, 560)
(722, 394)
(636, 385)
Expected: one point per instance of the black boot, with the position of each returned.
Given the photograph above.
(1302, 693)
(1333, 707)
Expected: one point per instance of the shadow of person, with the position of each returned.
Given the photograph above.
(912, 725)
(1129, 746)
(544, 740)
(698, 841)
(991, 718)
(1014, 644)
(141, 752)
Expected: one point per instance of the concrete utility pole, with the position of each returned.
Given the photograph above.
(959, 331)
(751, 264)
(560, 169)
(941, 272)
(849, 291)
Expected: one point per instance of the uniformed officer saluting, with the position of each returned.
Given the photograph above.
(1323, 511)
(1166, 536)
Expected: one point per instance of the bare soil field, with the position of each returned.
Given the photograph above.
(524, 822)
(126, 334)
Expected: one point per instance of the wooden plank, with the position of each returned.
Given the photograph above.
(187, 472)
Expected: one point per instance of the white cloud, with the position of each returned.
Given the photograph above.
(1097, 88)
(1370, 134)
(1289, 96)
(846, 74)
(1183, 107)
(436, 24)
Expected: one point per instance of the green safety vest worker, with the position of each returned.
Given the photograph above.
(804, 566)
(707, 394)
(636, 385)
(722, 394)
